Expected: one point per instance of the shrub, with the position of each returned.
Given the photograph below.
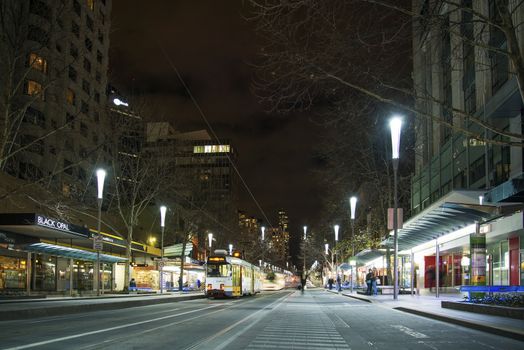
(501, 299)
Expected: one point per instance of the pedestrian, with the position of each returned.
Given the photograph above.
(430, 277)
(198, 283)
(339, 286)
(374, 282)
(132, 284)
(369, 277)
(330, 283)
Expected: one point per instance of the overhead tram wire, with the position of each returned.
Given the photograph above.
(202, 114)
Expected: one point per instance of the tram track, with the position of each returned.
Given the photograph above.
(206, 343)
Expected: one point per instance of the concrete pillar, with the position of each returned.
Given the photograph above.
(28, 268)
(412, 272)
(71, 272)
(437, 269)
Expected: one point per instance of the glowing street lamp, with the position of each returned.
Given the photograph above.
(326, 246)
(395, 125)
(263, 229)
(100, 176)
(230, 249)
(210, 239)
(353, 207)
(163, 210)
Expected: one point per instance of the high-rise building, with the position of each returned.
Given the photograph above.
(206, 179)
(283, 220)
(463, 227)
(54, 58)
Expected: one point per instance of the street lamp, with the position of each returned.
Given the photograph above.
(263, 228)
(326, 246)
(230, 249)
(353, 205)
(336, 228)
(210, 240)
(395, 125)
(163, 210)
(304, 253)
(100, 176)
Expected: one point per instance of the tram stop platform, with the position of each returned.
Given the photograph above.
(16, 309)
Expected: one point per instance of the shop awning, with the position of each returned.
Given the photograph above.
(367, 255)
(51, 249)
(443, 217)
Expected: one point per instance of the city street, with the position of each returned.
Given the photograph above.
(285, 320)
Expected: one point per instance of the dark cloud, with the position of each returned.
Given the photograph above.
(212, 46)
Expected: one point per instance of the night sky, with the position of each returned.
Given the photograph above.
(214, 48)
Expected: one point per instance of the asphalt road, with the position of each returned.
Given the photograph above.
(276, 320)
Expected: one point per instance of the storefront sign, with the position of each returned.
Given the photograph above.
(478, 258)
(59, 225)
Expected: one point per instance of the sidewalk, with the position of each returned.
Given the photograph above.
(54, 306)
(430, 306)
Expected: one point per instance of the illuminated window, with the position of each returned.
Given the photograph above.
(211, 149)
(90, 4)
(34, 89)
(37, 62)
(70, 97)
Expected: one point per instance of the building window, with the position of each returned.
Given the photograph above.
(77, 8)
(83, 129)
(32, 144)
(84, 108)
(96, 115)
(468, 79)
(38, 35)
(73, 51)
(86, 86)
(70, 97)
(34, 89)
(100, 36)
(75, 29)
(37, 62)
(68, 167)
(34, 116)
(89, 23)
(69, 118)
(87, 65)
(88, 44)
(40, 8)
(72, 74)
(97, 97)
(99, 56)
(499, 61)
(90, 4)
(98, 77)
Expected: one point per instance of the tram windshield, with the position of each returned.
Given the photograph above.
(218, 270)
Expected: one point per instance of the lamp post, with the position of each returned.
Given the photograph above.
(353, 207)
(395, 125)
(304, 253)
(100, 176)
(163, 210)
(336, 228)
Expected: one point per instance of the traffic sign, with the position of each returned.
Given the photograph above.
(98, 243)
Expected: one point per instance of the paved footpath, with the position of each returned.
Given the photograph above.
(430, 306)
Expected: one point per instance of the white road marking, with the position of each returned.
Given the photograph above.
(45, 342)
(410, 332)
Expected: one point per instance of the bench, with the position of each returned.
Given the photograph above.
(491, 289)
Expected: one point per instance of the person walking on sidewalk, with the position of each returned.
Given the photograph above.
(369, 277)
(374, 281)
